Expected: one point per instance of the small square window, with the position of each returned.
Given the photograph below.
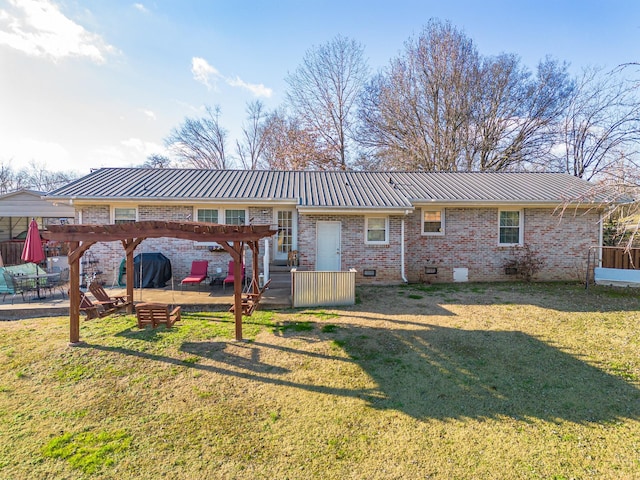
(432, 222)
(208, 215)
(377, 230)
(235, 217)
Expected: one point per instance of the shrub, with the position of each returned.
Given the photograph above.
(524, 262)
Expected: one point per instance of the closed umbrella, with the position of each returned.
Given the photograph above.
(33, 251)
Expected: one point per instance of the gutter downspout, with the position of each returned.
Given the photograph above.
(402, 269)
(600, 240)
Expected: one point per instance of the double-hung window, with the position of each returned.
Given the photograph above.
(432, 222)
(510, 227)
(124, 215)
(377, 230)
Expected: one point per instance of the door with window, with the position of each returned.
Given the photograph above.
(285, 238)
(328, 253)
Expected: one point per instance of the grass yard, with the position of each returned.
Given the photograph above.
(456, 381)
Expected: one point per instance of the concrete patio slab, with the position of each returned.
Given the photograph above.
(190, 299)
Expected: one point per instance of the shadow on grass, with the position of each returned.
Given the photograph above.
(211, 324)
(442, 373)
(436, 372)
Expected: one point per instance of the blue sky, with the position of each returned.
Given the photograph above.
(85, 84)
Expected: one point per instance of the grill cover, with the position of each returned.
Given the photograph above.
(156, 270)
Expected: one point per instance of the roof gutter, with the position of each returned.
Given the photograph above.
(355, 210)
(505, 203)
(174, 200)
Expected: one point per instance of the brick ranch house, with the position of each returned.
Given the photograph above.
(390, 226)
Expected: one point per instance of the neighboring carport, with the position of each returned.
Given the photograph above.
(16, 211)
(80, 238)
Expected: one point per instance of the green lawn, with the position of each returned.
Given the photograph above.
(452, 381)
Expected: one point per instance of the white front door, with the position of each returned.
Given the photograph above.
(328, 246)
(285, 238)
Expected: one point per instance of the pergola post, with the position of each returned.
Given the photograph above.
(130, 245)
(237, 288)
(74, 294)
(255, 248)
(76, 250)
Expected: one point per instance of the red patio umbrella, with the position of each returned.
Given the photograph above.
(33, 251)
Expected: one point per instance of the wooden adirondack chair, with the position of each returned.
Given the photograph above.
(156, 313)
(91, 310)
(103, 298)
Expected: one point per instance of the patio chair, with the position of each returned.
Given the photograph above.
(103, 298)
(156, 313)
(14, 285)
(231, 275)
(92, 310)
(198, 273)
(61, 282)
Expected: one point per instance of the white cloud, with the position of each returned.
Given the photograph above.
(22, 151)
(131, 152)
(140, 7)
(38, 28)
(149, 114)
(139, 148)
(203, 72)
(258, 90)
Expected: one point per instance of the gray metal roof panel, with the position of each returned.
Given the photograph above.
(351, 189)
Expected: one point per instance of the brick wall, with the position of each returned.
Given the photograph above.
(471, 241)
(181, 253)
(355, 253)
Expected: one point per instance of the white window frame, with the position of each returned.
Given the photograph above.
(213, 209)
(222, 214)
(386, 230)
(442, 222)
(520, 226)
(123, 207)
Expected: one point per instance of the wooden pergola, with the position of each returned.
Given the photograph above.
(80, 238)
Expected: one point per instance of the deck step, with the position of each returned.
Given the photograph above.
(280, 279)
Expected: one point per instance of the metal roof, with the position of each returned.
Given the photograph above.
(326, 189)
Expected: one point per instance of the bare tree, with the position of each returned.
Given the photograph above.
(253, 140)
(601, 130)
(156, 160)
(200, 142)
(7, 177)
(33, 177)
(415, 114)
(323, 92)
(441, 106)
(519, 114)
(289, 146)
